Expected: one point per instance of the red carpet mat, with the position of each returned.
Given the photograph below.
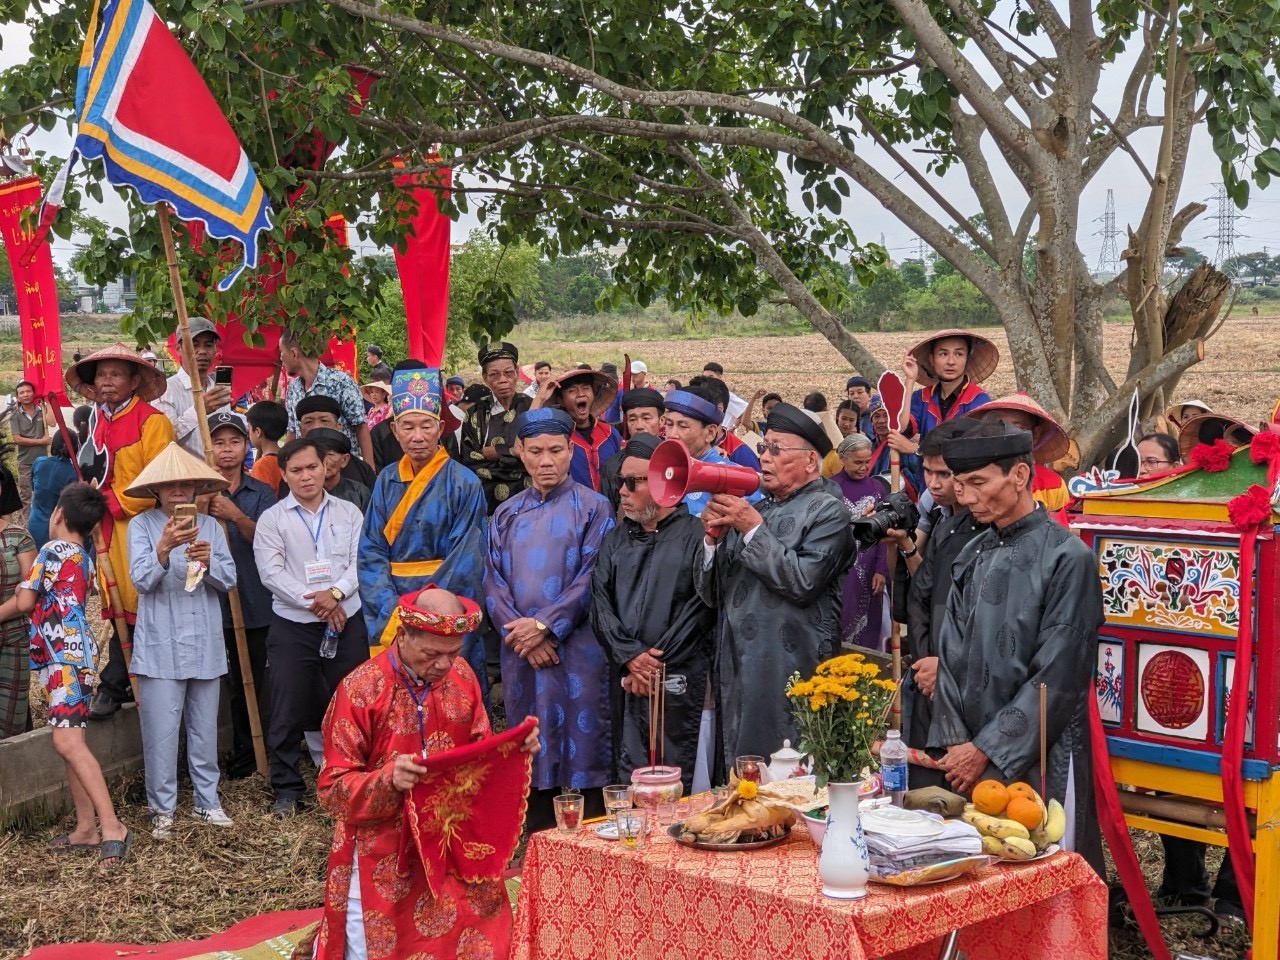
(259, 931)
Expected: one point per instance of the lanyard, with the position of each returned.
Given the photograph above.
(419, 702)
(319, 528)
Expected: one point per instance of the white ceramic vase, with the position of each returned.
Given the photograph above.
(844, 865)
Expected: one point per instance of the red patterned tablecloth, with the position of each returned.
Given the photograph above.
(583, 898)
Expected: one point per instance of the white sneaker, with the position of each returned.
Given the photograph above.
(162, 826)
(216, 817)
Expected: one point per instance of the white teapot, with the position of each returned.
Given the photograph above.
(784, 762)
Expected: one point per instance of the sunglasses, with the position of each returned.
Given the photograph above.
(773, 448)
(631, 482)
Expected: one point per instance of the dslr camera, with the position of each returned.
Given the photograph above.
(894, 512)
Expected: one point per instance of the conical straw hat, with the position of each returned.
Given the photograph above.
(1052, 442)
(174, 465)
(151, 382)
(1213, 423)
(984, 356)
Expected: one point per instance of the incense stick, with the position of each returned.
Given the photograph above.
(662, 715)
(653, 720)
(1044, 753)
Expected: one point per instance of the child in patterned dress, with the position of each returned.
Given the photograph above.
(62, 654)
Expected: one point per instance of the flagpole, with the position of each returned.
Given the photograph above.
(895, 628)
(202, 421)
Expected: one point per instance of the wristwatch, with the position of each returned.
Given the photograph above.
(908, 554)
(541, 626)
(337, 594)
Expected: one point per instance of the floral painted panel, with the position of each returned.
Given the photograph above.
(1171, 586)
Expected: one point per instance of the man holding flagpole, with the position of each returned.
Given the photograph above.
(125, 434)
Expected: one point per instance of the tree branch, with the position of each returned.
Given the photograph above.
(1004, 126)
(967, 133)
(1051, 20)
(1003, 64)
(1146, 381)
(797, 293)
(927, 185)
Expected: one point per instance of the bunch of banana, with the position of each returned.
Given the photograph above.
(1011, 840)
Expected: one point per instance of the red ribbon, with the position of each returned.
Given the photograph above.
(1116, 831)
(1233, 807)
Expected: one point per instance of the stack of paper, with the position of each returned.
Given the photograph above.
(894, 852)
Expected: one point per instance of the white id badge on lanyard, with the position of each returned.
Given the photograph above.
(319, 571)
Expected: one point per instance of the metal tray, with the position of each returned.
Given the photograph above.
(673, 832)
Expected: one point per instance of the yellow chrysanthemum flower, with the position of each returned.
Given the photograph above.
(747, 789)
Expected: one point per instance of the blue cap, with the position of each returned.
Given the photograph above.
(416, 391)
(682, 401)
(535, 423)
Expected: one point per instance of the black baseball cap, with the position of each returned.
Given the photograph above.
(227, 418)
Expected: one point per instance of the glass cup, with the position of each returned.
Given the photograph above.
(700, 802)
(751, 767)
(568, 812)
(570, 792)
(633, 827)
(617, 797)
(667, 811)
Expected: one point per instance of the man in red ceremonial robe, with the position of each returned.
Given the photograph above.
(417, 698)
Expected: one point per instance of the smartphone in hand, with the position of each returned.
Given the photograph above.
(185, 514)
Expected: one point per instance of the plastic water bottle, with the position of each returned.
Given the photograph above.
(893, 766)
(329, 645)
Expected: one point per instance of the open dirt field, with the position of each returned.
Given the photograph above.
(1238, 374)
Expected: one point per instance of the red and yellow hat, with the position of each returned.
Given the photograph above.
(442, 624)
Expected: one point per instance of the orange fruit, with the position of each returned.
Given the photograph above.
(1021, 789)
(991, 797)
(1025, 811)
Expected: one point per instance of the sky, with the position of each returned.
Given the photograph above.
(1256, 228)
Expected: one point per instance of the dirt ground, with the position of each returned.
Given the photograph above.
(1237, 375)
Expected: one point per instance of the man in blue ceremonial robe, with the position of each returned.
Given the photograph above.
(425, 522)
(543, 545)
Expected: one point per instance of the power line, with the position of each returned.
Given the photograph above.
(1109, 258)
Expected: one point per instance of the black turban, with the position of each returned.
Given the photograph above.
(986, 445)
(641, 446)
(317, 403)
(784, 418)
(641, 397)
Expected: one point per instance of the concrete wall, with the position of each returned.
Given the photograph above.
(33, 779)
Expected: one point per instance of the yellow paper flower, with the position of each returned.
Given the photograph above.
(747, 789)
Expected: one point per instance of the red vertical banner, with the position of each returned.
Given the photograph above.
(340, 354)
(423, 264)
(34, 285)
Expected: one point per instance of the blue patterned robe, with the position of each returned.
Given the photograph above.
(446, 523)
(542, 553)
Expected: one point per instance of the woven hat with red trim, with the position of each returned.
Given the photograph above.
(605, 387)
(151, 382)
(984, 356)
(1209, 427)
(1051, 441)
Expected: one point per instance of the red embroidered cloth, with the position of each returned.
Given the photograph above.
(452, 832)
(583, 897)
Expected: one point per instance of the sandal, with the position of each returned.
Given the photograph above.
(62, 844)
(116, 850)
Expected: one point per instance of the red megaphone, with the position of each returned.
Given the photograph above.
(673, 474)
